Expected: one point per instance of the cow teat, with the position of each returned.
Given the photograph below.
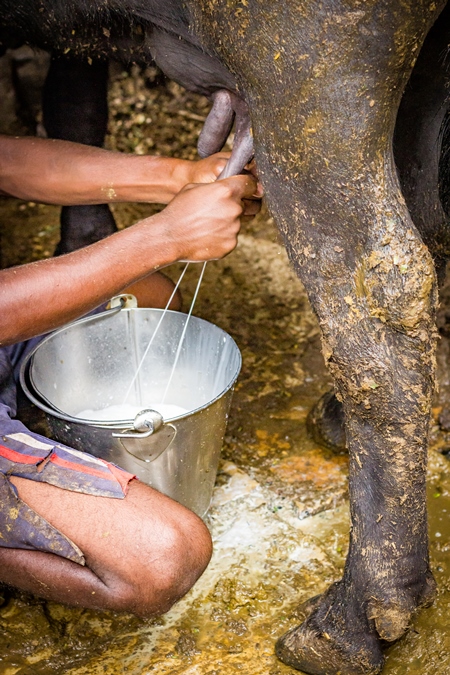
(227, 107)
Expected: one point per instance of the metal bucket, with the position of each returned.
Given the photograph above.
(91, 363)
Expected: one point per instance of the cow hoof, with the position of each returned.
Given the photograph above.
(317, 653)
(304, 609)
(341, 636)
(333, 640)
(325, 423)
(393, 619)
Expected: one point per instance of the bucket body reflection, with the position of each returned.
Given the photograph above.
(91, 363)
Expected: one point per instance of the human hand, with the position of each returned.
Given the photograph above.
(203, 221)
(207, 170)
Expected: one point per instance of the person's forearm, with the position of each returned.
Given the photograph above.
(65, 173)
(41, 296)
(201, 223)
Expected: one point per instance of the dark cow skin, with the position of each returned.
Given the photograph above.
(322, 83)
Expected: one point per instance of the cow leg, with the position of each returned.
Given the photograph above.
(421, 152)
(75, 109)
(371, 281)
(421, 134)
(325, 156)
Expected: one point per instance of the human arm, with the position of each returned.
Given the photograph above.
(201, 223)
(65, 173)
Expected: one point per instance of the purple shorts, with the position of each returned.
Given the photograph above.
(29, 455)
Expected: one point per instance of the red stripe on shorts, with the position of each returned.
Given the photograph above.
(19, 457)
(110, 472)
(80, 468)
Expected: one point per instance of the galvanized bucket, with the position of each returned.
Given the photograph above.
(91, 363)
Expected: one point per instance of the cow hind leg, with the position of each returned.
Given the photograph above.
(379, 348)
(325, 157)
(421, 143)
(422, 157)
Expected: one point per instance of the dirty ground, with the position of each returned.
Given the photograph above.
(279, 516)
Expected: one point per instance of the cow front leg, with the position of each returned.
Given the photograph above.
(75, 109)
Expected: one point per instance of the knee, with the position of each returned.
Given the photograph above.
(169, 569)
(187, 553)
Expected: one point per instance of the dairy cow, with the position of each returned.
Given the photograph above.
(364, 248)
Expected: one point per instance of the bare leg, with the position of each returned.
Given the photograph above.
(142, 553)
(155, 291)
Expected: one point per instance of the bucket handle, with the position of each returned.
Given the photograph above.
(145, 424)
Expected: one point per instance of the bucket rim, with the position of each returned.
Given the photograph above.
(46, 406)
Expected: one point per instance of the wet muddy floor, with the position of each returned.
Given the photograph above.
(279, 516)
